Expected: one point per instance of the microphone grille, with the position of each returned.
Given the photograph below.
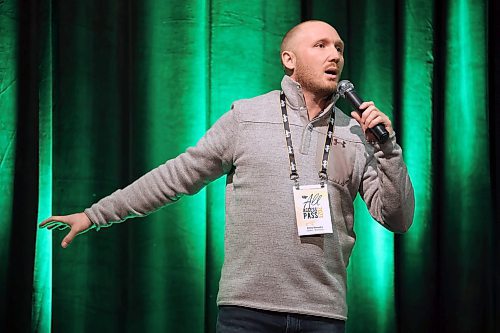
(344, 86)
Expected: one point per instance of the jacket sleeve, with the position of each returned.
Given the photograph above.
(188, 173)
(386, 187)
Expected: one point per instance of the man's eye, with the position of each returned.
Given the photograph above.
(320, 45)
(339, 49)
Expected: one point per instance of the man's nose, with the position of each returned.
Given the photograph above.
(334, 55)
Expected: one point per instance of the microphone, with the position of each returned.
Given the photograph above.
(346, 90)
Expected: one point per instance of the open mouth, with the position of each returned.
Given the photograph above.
(331, 72)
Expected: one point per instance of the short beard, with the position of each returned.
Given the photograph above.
(307, 80)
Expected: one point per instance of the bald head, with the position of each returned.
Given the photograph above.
(289, 41)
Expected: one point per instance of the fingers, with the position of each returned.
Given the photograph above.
(374, 120)
(356, 116)
(58, 226)
(53, 220)
(371, 116)
(369, 113)
(69, 238)
(365, 105)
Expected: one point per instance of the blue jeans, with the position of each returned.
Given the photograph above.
(232, 319)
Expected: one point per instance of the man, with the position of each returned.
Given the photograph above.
(294, 164)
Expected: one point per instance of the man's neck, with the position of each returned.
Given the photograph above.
(315, 104)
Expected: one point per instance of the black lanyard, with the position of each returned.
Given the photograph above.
(288, 135)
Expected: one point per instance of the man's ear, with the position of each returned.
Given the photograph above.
(288, 60)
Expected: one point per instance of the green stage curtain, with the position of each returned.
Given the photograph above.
(93, 94)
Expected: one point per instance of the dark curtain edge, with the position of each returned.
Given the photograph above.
(25, 204)
(493, 42)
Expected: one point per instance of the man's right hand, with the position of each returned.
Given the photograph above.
(78, 223)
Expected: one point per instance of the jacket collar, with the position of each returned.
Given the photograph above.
(296, 101)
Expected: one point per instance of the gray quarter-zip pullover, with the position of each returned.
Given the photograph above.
(266, 264)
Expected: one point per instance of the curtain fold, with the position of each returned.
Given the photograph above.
(417, 50)
(93, 94)
(42, 272)
(8, 138)
(467, 242)
(21, 156)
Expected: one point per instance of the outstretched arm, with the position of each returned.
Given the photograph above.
(188, 173)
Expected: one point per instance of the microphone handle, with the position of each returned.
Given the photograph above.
(378, 130)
